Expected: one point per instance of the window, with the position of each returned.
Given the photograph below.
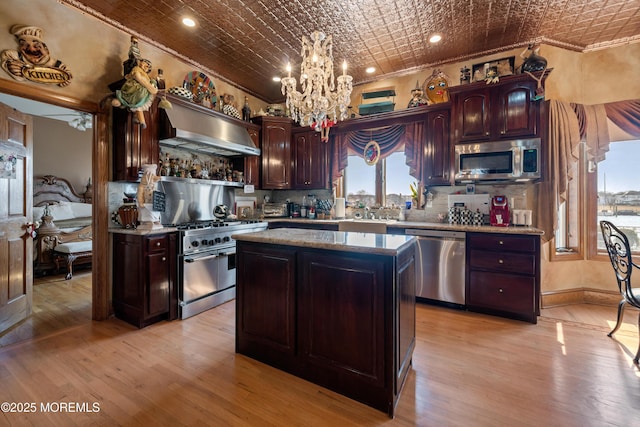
(568, 241)
(609, 190)
(385, 184)
(617, 198)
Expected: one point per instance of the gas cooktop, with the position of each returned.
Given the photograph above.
(206, 224)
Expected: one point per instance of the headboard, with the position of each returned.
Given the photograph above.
(50, 189)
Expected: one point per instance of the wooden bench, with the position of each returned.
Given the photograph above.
(68, 254)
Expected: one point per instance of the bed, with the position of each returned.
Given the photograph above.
(64, 232)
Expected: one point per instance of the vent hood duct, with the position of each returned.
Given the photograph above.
(195, 128)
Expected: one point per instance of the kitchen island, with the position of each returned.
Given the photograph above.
(335, 308)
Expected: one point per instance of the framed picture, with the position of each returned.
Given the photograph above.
(371, 153)
(501, 67)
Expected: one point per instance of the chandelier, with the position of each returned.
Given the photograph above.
(319, 105)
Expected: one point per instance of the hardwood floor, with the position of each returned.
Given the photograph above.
(468, 369)
(58, 304)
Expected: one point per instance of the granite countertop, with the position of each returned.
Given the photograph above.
(471, 228)
(421, 225)
(370, 243)
(141, 231)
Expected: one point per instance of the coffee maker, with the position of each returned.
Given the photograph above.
(499, 211)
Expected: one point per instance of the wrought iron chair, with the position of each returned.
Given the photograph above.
(620, 255)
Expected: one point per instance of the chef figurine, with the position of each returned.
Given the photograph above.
(137, 92)
(146, 215)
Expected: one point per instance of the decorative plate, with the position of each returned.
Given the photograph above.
(202, 88)
(181, 92)
(371, 153)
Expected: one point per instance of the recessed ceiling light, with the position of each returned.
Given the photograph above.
(370, 70)
(189, 22)
(276, 79)
(435, 38)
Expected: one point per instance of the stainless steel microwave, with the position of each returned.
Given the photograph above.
(515, 160)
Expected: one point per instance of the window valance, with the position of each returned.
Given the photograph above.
(408, 136)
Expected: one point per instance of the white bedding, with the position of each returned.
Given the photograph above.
(64, 211)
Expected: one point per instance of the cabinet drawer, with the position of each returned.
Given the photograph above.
(155, 244)
(503, 292)
(503, 261)
(497, 242)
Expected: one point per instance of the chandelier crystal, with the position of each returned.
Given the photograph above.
(320, 104)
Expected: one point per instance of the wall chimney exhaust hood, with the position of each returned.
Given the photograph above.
(192, 127)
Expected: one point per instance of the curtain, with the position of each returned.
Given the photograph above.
(593, 129)
(393, 138)
(625, 115)
(561, 154)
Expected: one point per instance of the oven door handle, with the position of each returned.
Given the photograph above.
(233, 252)
(203, 258)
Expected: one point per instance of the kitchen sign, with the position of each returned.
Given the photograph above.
(32, 60)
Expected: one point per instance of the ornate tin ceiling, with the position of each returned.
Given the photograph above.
(247, 42)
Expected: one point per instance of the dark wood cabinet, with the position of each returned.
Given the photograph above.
(343, 320)
(144, 278)
(133, 145)
(252, 163)
(311, 160)
(503, 275)
(437, 149)
(275, 136)
(497, 112)
(268, 292)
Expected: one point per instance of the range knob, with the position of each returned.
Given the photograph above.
(226, 238)
(205, 242)
(218, 240)
(195, 243)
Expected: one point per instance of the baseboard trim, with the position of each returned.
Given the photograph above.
(580, 296)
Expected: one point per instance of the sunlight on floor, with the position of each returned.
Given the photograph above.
(560, 335)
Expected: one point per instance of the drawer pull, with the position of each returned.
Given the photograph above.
(158, 244)
(500, 261)
(500, 242)
(500, 290)
(164, 258)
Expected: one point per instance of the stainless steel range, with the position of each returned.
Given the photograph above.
(207, 263)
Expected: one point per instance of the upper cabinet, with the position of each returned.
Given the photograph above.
(437, 149)
(252, 163)
(496, 112)
(133, 145)
(276, 152)
(311, 160)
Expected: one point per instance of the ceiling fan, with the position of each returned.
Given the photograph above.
(77, 120)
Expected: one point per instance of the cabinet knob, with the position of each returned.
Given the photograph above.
(486, 133)
(158, 244)
(500, 242)
(429, 177)
(500, 290)
(502, 132)
(164, 258)
(500, 261)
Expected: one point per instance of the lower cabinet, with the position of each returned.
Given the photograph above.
(144, 278)
(343, 320)
(503, 275)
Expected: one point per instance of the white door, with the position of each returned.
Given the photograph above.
(16, 203)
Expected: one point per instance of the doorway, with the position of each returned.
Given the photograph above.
(62, 147)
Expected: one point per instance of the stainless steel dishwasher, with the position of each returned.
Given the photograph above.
(441, 265)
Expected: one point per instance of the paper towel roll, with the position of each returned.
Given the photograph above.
(340, 203)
